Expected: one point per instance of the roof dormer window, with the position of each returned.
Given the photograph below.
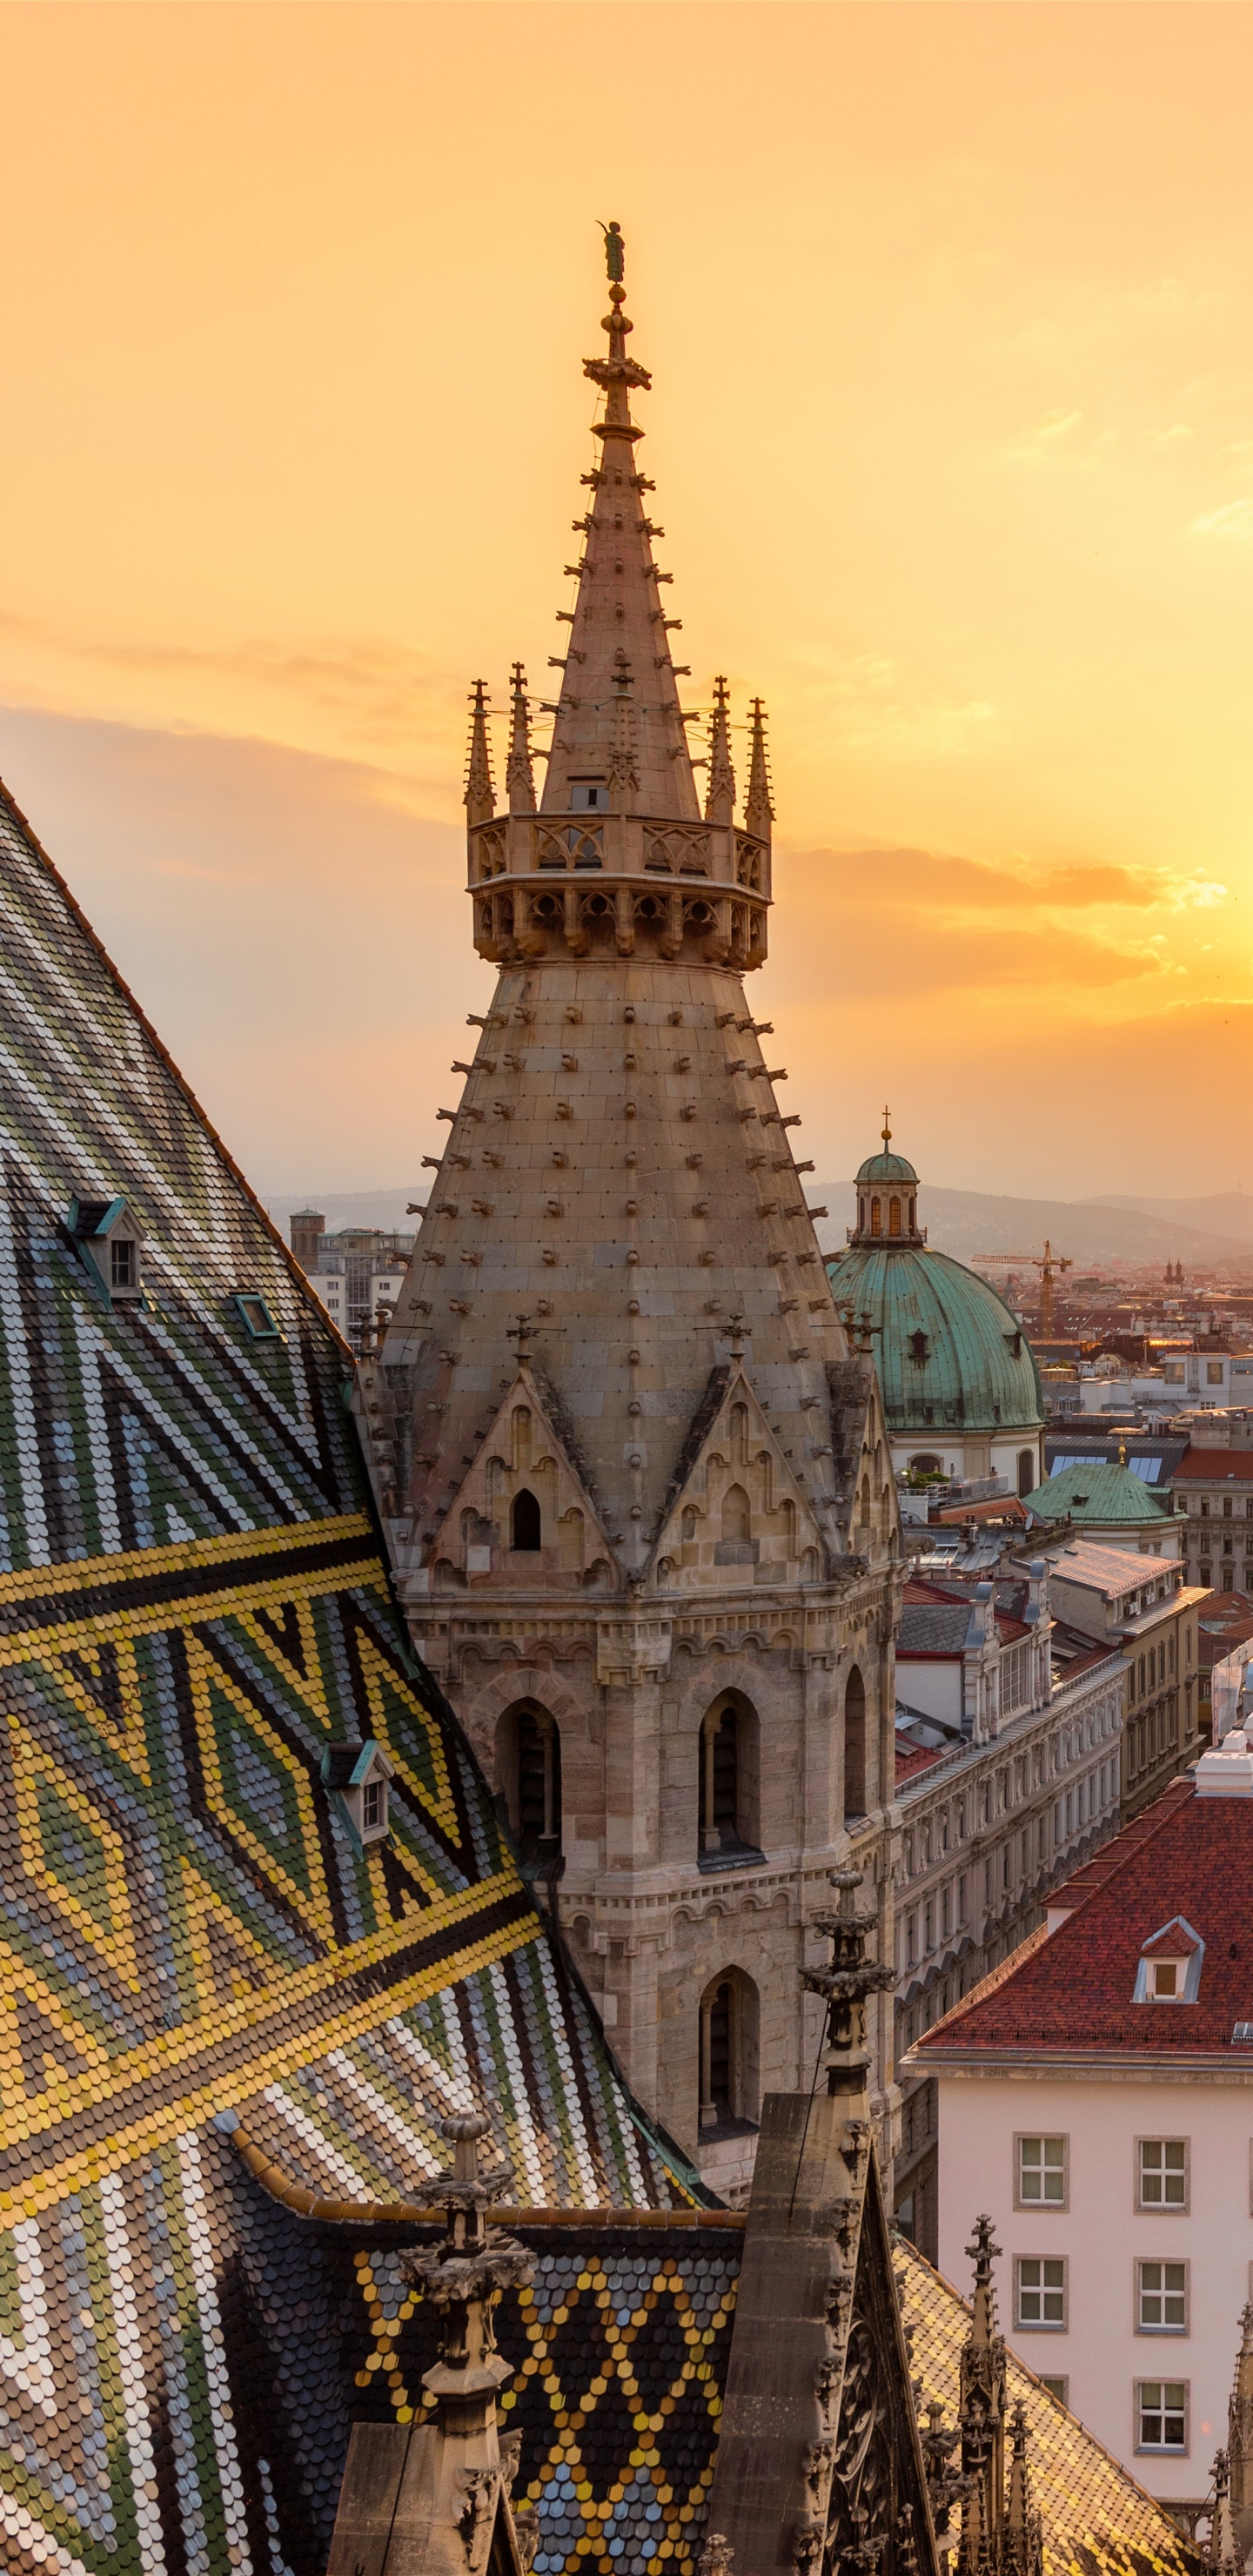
(355, 1777)
(255, 1316)
(1169, 1967)
(109, 1241)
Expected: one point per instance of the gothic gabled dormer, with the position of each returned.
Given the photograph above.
(738, 1514)
(523, 1515)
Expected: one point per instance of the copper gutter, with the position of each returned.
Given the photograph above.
(304, 2203)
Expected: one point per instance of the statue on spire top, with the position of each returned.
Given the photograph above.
(615, 253)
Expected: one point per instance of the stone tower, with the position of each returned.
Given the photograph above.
(638, 1483)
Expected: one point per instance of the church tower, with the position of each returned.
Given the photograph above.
(638, 1483)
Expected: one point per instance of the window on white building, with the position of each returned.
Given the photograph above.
(1161, 2415)
(1040, 2291)
(1162, 2173)
(1042, 2173)
(1161, 2298)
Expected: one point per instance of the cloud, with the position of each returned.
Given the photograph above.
(865, 706)
(1234, 519)
(383, 693)
(947, 883)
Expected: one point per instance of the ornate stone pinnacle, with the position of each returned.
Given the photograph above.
(847, 1983)
(464, 2274)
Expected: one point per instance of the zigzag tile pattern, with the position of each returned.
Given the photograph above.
(192, 1605)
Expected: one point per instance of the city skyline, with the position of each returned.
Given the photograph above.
(946, 319)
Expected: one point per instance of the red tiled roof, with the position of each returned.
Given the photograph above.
(1186, 1855)
(1222, 1465)
(1094, 1873)
(919, 1757)
(1225, 1623)
(999, 1507)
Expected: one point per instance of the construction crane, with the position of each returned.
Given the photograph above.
(1051, 1265)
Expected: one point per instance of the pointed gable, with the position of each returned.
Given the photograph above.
(735, 1512)
(524, 1508)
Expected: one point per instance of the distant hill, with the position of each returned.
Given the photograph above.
(968, 1222)
(1230, 1212)
(1198, 1232)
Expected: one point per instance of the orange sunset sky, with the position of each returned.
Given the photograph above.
(950, 314)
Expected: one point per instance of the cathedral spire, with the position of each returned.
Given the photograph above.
(720, 798)
(758, 809)
(618, 609)
(519, 777)
(480, 794)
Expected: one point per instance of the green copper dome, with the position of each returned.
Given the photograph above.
(948, 1352)
(888, 1168)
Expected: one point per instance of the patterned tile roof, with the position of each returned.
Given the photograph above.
(1095, 2517)
(1072, 1994)
(193, 1605)
(620, 2352)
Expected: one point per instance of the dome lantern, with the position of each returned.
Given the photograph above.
(887, 1198)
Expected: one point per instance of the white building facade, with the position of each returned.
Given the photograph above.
(1098, 2101)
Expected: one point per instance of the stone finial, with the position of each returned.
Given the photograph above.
(1240, 2419)
(464, 2274)
(480, 793)
(758, 808)
(720, 794)
(983, 2253)
(519, 775)
(1224, 2554)
(716, 2556)
(847, 1983)
(1024, 2543)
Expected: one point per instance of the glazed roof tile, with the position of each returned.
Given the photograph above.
(194, 1606)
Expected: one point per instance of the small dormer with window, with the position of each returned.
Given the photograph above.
(1168, 1970)
(355, 1777)
(108, 1240)
(255, 1316)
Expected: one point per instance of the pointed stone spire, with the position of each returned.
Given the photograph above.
(1240, 2420)
(1024, 2542)
(480, 794)
(618, 608)
(1224, 2554)
(720, 798)
(982, 2381)
(758, 809)
(519, 777)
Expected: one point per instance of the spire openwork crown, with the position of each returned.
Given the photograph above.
(619, 860)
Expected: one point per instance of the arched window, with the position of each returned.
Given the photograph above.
(913, 1218)
(719, 1780)
(728, 2052)
(737, 1516)
(728, 1786)
(894, 1219)
(854, 1745)
(525, 1523)
(876, 1216)
(529, 1769)
(1026, 1471)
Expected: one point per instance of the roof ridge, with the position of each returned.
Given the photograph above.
(9, 802)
